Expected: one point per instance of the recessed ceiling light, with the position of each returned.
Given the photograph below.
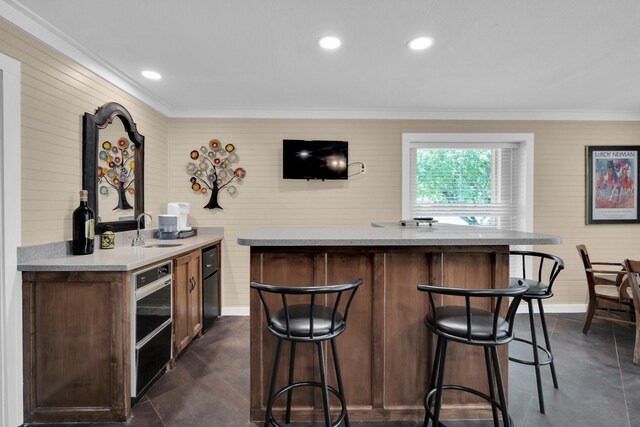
(329, 43)
(151, 75)
(420, 43)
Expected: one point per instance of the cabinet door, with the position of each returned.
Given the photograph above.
(181, 286)
(187, 300)
(195, 296)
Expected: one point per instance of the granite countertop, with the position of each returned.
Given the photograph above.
(392, 234)
(57, 257)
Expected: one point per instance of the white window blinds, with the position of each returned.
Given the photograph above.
(479, 183)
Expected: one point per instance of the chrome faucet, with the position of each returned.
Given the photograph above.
(138, 240)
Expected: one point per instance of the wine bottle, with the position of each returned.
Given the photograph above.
(83, 227)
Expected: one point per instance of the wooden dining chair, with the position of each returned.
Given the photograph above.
(608, 296)
(633, 268)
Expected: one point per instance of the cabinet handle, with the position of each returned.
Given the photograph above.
(190, 284)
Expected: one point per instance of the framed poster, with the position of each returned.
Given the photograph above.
(612, 184)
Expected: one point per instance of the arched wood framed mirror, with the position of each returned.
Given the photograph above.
(113, 167)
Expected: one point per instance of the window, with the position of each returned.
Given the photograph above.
(478, 179)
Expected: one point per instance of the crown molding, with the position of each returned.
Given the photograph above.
(302, 113)
(30, 22)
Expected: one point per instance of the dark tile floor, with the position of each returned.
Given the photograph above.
(599, 384)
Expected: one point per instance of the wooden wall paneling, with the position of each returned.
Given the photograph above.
(378, 289)
(405, 337)
(356, 365)
(291, 269)
(466, 363)
(257, 329)
(386, 326)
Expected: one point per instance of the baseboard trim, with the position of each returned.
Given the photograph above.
(554, 308)
(235, 311)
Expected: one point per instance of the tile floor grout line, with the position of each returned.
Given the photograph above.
(222, 378)
(624, 393)
(526, 412)
(157, 413)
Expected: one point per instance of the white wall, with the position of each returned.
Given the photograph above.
(10, 227)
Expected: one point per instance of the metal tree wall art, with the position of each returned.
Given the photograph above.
(212, 169)
(118, 170)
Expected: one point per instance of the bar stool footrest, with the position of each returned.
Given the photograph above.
(332, 390)
(430, 395)
(547, 361)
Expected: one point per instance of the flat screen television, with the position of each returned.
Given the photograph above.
(314, 159)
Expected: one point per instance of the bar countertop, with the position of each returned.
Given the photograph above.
(57, 257)
(392, 234)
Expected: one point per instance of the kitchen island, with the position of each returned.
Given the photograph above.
(386, 351)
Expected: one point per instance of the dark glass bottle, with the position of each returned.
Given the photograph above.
(83, 227)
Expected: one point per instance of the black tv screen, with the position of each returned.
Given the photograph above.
(314, 159)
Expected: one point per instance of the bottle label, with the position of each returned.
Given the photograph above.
(89, 227)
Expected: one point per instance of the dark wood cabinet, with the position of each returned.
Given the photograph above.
(77, 339)
(76, 346)
(187, 300)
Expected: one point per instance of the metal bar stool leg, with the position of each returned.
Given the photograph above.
(548, 344)
(436, 361)
(438, 403)
(498, 374)
(272, 387)
(323, 380)
(434, 374)
(336, 363)
(492, 392)
(292, 358)
(536, 358)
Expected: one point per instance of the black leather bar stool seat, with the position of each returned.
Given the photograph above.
(300, 321)
(539, 288)
(474, 326)
(310, 323)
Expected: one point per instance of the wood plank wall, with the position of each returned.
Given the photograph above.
(265, 199)
(56, 91)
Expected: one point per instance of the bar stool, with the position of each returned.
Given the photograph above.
(474, 326)
(539, 288)
(307, 323)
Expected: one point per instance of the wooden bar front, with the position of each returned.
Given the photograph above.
(386, 352)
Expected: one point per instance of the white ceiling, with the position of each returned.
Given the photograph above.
(260, 57)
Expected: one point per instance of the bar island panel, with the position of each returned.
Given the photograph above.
(386, 351)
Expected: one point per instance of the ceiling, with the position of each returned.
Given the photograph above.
(252, 58)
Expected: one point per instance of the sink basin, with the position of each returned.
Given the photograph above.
(162, 245)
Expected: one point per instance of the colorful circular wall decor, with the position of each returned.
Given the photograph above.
(215, 171)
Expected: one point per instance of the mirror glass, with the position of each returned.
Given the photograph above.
(116, 174)
(113, 168)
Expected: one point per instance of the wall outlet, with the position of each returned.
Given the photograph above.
(363, 169)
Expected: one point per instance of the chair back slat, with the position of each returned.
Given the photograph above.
(265, 305)
(467, 303)
(496, 316)
(470, 295)
(312, 292)
(311, 313)
(335, 312)
(549, 266)
(285, 306)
